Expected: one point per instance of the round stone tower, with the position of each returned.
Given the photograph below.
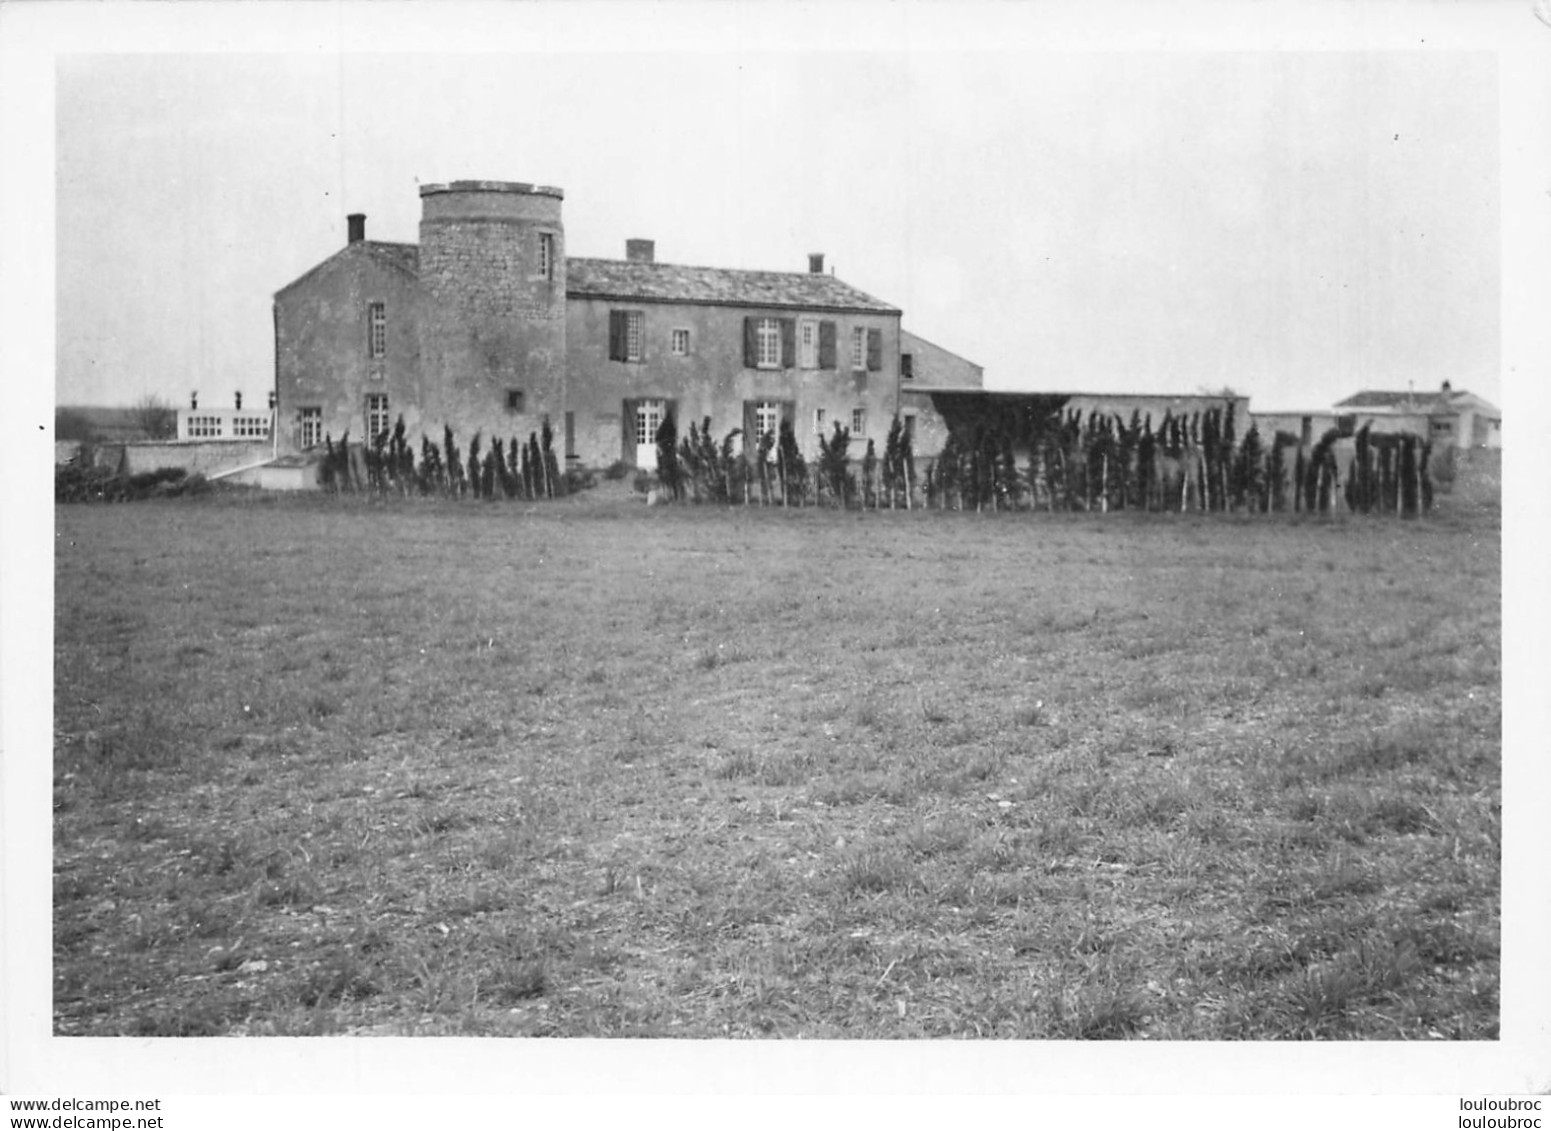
(492, 308)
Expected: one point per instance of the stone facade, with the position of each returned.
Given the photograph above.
(487, 326)
(712, 376)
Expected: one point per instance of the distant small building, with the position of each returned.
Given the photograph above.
(224, 424)
(1449, 417)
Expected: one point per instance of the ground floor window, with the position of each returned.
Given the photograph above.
(648, 418)
(376, 414)
(681, 342)
(767, 418)
(910, 426)
(310, 430)
(818, 422)
(858, 421)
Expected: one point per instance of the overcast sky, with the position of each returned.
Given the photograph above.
(1295, 224)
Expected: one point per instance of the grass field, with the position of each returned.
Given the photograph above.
(594, 769)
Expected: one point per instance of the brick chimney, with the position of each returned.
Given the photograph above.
(816, 263)
(357, 226)
(640, 251)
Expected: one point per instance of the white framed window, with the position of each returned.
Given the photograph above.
(648, 418)
(634, 332)
(250, 427)
(204, 427)
(818, 422)
(376, 414)
(767, 418)
(859, 347)
(376, 329)
(546, 258)
(808, 343)
(681, 342)
(767, 343)
(310, 419)
(858, 421)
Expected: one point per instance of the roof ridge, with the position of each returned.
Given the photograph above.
(705, 267)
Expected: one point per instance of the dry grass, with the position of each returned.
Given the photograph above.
(589, 769)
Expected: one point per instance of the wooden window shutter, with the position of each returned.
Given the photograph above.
(627, 428)
(788, 342)
(750, 344)
(789, 413)
(616, 335)
(826, 345)
(750, 432)
(874, 350)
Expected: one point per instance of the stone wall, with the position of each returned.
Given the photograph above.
(206, 457)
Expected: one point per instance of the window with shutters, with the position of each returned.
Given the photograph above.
(634, 325)
(377, 330)
(648, 419)
(376, 414)
(310, 425)
(808, 343)
(681, 342)
(767, 418)
(627, 335)
(859, 348)
(767, 337)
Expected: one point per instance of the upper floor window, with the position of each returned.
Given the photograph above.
(866, 348)
(627, 335)
(514, 400)
(681, 342)
(250, 427)
(767, 337)
(376, 330)
(376, 414)
(546, 255)
(907, 367)
(808, 343)
(204, 426)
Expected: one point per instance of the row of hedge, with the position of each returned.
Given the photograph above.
(1096, 462)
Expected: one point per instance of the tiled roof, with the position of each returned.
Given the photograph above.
(669, 282)
(1375, 398)
(404, 255)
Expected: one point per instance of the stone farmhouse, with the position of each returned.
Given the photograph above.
(488, 325)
